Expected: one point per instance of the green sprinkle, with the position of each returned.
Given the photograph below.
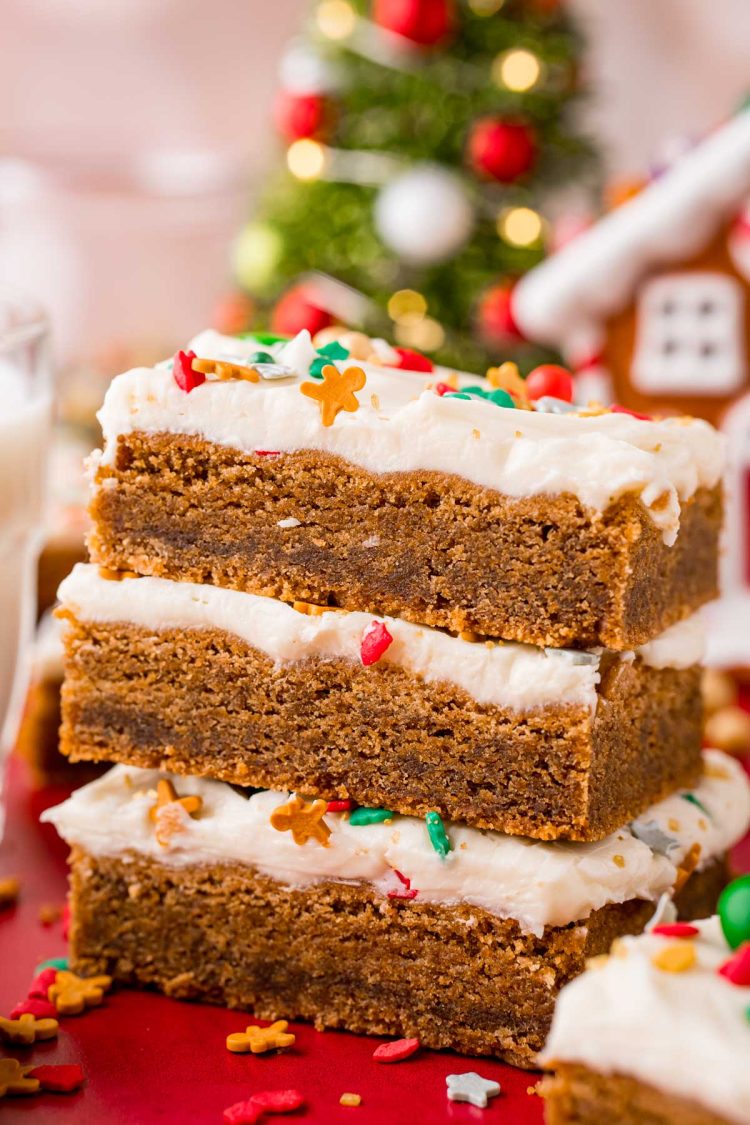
(60, 963)
(477, 392)
(334, 350)
(747, 1014)
(438, 836)
(260, 357)
(360, 817)
(264, 337)
(458, 394)
(317, 365)
(691, 797)
(501, 398)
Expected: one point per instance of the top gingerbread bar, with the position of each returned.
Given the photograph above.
(384, 490)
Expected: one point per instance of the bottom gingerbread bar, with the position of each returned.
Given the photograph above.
(366, 925)
(579, 1096)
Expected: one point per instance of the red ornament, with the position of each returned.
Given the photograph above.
(675, 929)
(59, 1079)
(396, 1051)
(409, 360)
(496, 323)
(296, 310)
(501, 150)
(737, 968)
(425, 22)
(300, 115)
(375, 640)
(551, 381)
(617, 409)
(184, 376)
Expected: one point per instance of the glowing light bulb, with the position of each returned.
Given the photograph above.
(407, 306)
(306, 159)
(517, 70)
(426, 334)
(520, 226)
(336, 19)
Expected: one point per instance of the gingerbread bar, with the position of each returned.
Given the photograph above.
(658, 1031)
(575, 528)
(202, 680)
(393, 926)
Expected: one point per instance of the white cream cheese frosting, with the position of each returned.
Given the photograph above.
(684, 1033)
(516, 676)
(537, 884)
(401, 425)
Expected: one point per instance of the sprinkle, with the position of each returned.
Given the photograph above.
(549, 405)
(14, 1078)
(650, 834)
(508, 378)
(10, 889)
(618, 860)
(617, 409)
(162, 814)
(71, 994)
(737, 968)
(457, 394)
(375, 402)
(362, 817)
(376, 639)
(58, 1079)
(474, 391)
(290, 521)
(53, 962)
(334, 350)
(257, 1040)
(396, 1051)
(472, 1088)
(693, 800)
(315, 370)
(268, 453)
(42, 982)
(49, 913)
(336, 392)
(350, 1099)
(33, 1006)
(675, 958)
(27, 1029)
(438, 836)
(264, 1101)
(687, 867)
(260, 357)
(407, 893)
(185, 375)
(673, 824)
(226, 370)
(443, 389)
(502, 398)
(344, 805)
(304, 819)
(675, 929)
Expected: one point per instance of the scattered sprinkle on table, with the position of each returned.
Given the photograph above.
(257, 1040)
(396, 1051)
(350, 1099)
(71, 994)
(58, 1078)
(264, 1101)
(471, 1087)
(49, 913)
(14, 1078)
(27, 1029)
(10, 888)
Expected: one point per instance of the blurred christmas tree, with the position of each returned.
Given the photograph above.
(424, 139)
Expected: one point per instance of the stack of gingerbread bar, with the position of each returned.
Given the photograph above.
(400, 670)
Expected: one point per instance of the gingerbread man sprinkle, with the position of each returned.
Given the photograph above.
(304, 819)
(166, 814)
(27, 1029)
(13, 1078)
(258, 1040)
(71, 994)
(336, 391)
(225, 370)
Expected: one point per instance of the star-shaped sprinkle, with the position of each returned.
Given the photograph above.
(258, 1040)
(71, 994)
(14, 1080)
(304, 819)
(162, 814)
(27, 1029)
(336, 391)
(650, 834)
(472, 1088)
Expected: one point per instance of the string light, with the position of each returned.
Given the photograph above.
(520, 226)
(407, 306)
(485, 7)
(336, 19)
(517, 69)
(306, 159)
(426, 334)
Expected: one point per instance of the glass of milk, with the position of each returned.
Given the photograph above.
(25, 412)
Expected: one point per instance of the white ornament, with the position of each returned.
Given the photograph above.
(424, 215)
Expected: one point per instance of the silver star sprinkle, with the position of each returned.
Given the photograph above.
(549, 405)
(650, 834)
(472, 1088)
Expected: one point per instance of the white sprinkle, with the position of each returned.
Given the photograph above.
(290, 522)
(373, 541)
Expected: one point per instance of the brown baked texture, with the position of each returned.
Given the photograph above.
(424, 546)
(202, 701)
(38, 739)
(343, 956)
(576, 1095)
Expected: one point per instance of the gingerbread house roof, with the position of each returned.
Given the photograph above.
(565, 300)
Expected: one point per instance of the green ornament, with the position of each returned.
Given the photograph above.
(458, 394)
(60, 963)
(438, 836)
(334, 350)
(260, 357)
(476, 392)
(360, 817)
(317, 365)
(693, 800)
(734, 911)
(501, 398)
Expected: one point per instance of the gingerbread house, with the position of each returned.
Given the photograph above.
(651, 308)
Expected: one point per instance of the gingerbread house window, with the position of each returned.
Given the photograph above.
(690, 336)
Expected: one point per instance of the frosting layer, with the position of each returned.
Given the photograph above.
(537, 884)
(516, 676)
(686, 1033)
(402, 426)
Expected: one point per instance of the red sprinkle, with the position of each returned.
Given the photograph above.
(33, 1006)
(60, 1079)
(443, 389)
(340, 806)
(617, 409)
(396, 1051)
(550, 380)
(737, 968)
(675, 929)
(267, 452)
(409, 360)
(407, 892)
(184, 376)
(375, 640)
(41, 984)
(265, 1101)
